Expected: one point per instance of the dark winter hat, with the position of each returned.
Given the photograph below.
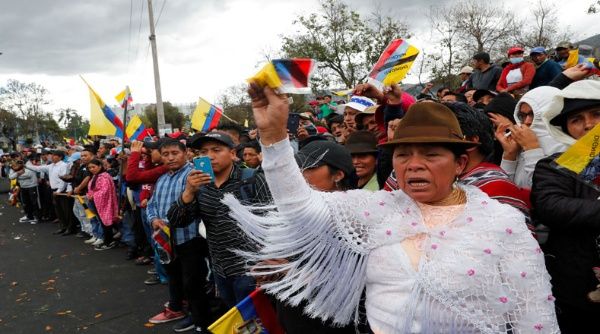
(503, 104)
(361, 142)
(323, 152)
(481, 93)
(572, 106)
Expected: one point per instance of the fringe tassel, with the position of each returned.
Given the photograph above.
(316, 251)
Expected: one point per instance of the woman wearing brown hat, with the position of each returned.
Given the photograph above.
(434, 257)
(363, 148)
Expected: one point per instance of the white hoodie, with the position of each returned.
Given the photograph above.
(584, 89)
(540, 100)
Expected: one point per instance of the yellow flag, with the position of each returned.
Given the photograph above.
(267, 76)
(246, 123)
(343, 92)
(579, 155)
(573, 58)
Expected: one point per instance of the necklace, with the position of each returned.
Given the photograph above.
(456, 197)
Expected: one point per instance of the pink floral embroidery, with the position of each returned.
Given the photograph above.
(434, 246)
(487, 251)
(523, 274)
(509, 231)
(538, 327)
(388, 232)
(382, 203)
(551, 298)
(469, 219)
(538, 250)
(407, 211)
(471, 272)
(484, 203)
(503, 300)
(442, 233)
(367, 214)
(413, 223)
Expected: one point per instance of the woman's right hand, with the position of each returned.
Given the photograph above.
(509, 145)
(270, 113)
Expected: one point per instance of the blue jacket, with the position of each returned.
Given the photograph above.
(545, 73)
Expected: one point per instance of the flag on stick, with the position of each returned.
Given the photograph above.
(125, 99)
(136, 129)
(103, 121)
(254, 314)
(206, 116)
(394, 63)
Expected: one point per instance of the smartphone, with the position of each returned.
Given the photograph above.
(203, 164)
(311, 129)
(293, 123)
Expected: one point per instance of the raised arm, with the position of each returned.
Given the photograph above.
(42, 168)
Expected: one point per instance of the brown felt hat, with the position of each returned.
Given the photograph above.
(429, 123)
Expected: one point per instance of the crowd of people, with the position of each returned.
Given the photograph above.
(386, 213)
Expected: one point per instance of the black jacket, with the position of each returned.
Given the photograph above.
(571, 209)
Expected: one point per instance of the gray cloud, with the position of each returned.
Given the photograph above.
(63, 37)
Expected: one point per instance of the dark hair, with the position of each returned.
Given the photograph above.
(483, 56)
(231, 126)
(474, 123)
(441, 89)
(329, 96)
(459, 97)
(253, 144)
(108, 146)
(90, 148)
(170, 142)
(347, 183)
(96, 162)
(335, 119)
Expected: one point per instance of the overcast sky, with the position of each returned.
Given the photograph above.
(204, 46)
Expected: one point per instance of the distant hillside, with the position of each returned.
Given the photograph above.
(592, 41)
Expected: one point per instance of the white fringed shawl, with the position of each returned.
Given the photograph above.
(328, 238)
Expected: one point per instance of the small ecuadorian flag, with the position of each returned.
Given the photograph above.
(89, 214)
(290, 76)
(206, 116)
(582, 157)
(394, 63)
(254, 314)
(136, 129)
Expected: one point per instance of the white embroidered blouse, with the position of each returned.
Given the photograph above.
(480, 272)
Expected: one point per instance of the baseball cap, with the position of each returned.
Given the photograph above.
(359, 103)
(538, 49)
(324, 152)
(481, 93)
(515, 49)
(154, 145)
(215, 136)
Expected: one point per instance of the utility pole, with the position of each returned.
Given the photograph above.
(160, 112)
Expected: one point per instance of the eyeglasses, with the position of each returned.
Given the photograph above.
(523, 116)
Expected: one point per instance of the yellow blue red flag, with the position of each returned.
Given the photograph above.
(103, 121)
(290, 76)
(394, 63)
(135, 129)
(254, 314)
(125, 99)
(206, 116)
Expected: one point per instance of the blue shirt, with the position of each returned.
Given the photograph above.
(167, 190)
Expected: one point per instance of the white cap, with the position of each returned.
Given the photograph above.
(466, 70)
(359, 103)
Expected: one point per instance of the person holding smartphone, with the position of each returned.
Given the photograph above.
(202, 199)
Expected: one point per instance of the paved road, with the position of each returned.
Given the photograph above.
(55, 284)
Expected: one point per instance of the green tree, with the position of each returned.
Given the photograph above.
(73, 123)
(48, 128)
(594, 7)
(26, 100)
(172, 116)
(344, 44)
(9, 125)
(236, 104)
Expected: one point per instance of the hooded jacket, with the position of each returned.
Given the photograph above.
(570, 208)
(521, 170)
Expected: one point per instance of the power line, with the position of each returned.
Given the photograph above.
(160, 13)
(139, 30)
(129, 44)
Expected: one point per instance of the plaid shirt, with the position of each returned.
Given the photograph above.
(167, 190)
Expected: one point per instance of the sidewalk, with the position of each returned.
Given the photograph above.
(55, 284)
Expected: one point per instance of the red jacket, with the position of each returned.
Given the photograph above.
(146, 176)
(528, 71)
